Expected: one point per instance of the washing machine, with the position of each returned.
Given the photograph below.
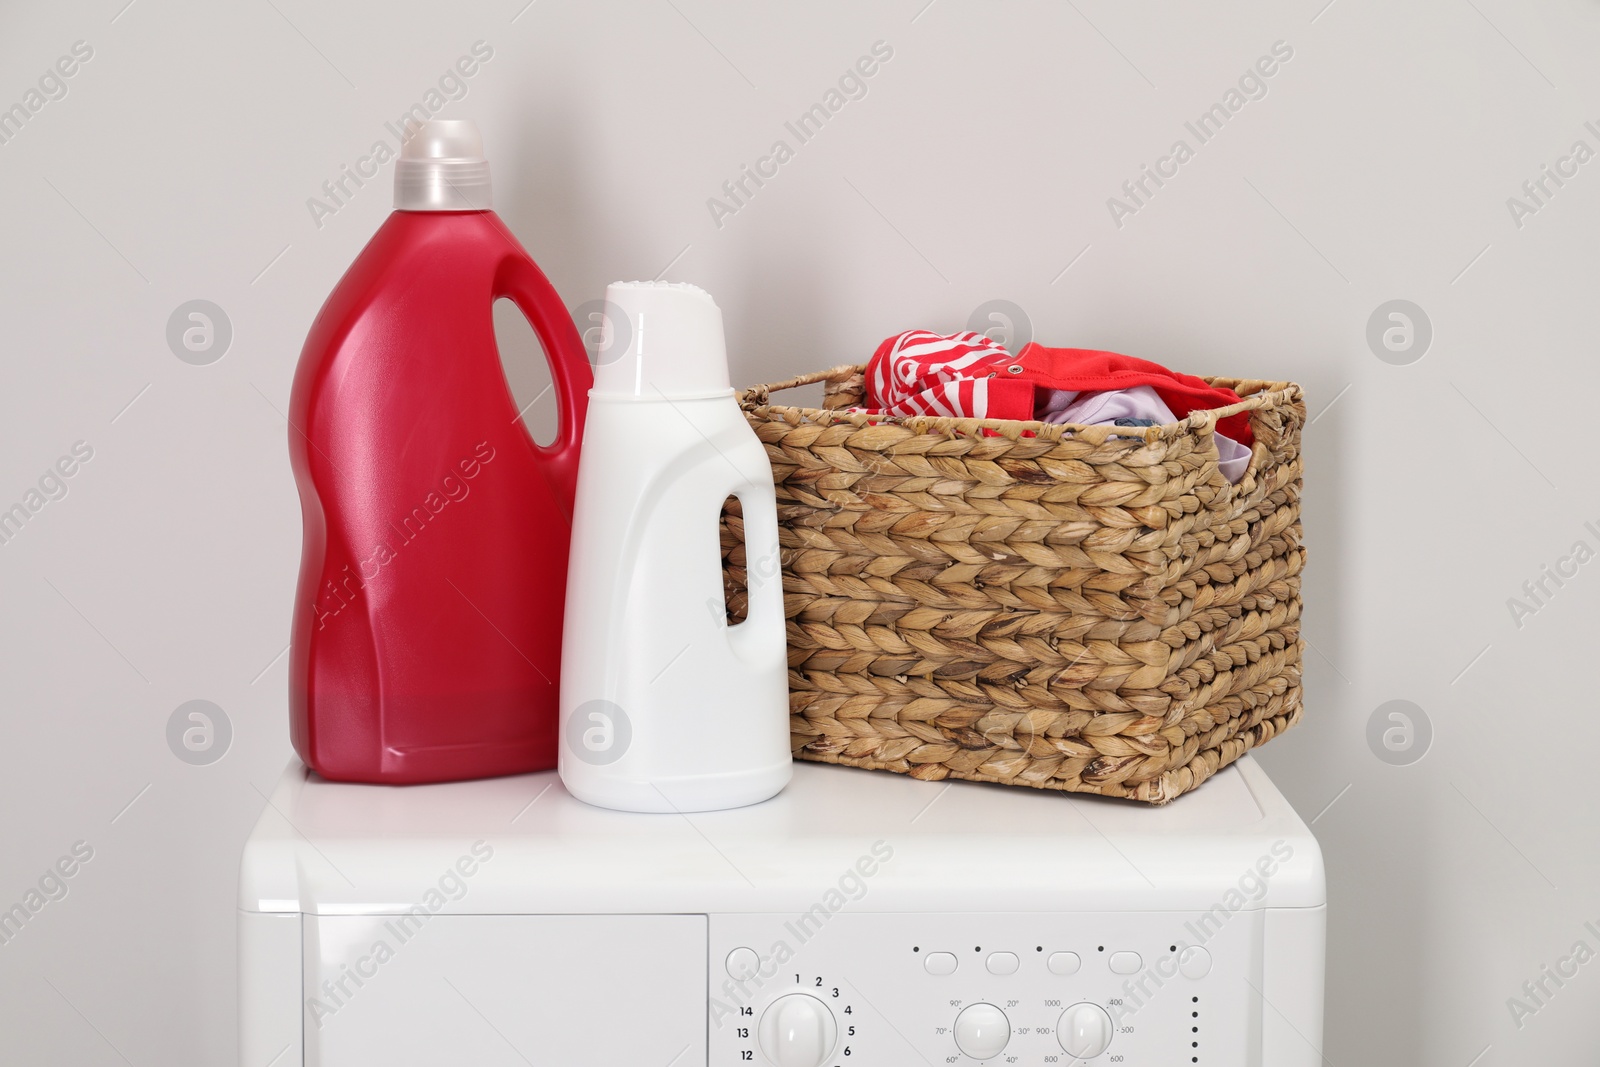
(858, 919)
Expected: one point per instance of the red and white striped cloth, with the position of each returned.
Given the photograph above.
(925, 373)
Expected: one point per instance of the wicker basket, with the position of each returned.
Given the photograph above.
(1091, 609)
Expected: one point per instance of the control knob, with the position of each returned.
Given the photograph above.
(798, 1031)
(1084, 1031)
(982, 1031)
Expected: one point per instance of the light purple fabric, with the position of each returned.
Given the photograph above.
(1233, 459)
(1140, 402)
(1098, 409)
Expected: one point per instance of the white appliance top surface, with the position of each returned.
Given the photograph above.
(335, 848)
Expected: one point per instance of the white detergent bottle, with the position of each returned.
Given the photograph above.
(664, 706)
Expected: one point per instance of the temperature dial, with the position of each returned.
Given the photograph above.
(982, 1031)
(1084, 1031)
(798, 1031)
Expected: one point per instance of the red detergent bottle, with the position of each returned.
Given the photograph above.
(426, 641)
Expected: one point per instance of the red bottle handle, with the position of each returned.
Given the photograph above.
(520, 280)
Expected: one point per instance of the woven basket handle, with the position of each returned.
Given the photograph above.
(759, 396)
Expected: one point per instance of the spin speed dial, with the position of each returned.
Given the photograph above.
(1084, 1031)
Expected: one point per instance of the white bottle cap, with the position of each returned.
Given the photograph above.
(674, 350)
(442, 168)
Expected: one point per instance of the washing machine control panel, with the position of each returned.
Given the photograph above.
(844, 989)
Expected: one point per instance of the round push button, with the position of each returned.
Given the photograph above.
(743, 963)
(1194, 962)
(940, 963)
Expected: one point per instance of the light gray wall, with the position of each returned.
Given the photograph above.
(179, 164)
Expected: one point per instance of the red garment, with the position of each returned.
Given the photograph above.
(969, 375)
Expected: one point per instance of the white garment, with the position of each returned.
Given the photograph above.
(1139, 402)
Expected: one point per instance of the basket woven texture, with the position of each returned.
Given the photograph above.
(1093, 609)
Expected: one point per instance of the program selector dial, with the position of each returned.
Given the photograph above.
(798, 1030)
(1084, 1031)
(982, 1031)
